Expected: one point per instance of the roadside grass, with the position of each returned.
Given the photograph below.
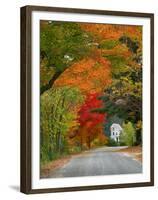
(47, 167)
(52, 165)
(59, 161)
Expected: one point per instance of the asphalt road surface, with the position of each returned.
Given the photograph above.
(101, 161)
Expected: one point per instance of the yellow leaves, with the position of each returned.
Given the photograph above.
(139, 125)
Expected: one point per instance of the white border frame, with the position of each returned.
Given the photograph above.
(38, 183)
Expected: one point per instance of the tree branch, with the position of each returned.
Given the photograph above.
(50, 83)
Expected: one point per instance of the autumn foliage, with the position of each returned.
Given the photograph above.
(91, 74)
(90, 121)
(79, 62)
(87, 116)
(110, 31)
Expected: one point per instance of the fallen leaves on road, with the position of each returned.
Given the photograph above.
(135, 152)
(55, 164)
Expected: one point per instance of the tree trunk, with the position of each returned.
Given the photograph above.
(59, 143)
(89, 142)
(50, 83)
(81, 143)
(59, 133)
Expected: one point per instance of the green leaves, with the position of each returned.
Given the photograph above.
(123, 98)
(63, 43)
(119, 64)
(57, 117)
(128, 136)
(132, 45)
(108, 44)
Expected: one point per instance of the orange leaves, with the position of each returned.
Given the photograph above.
(90, 74)
(119, 50)
(101, 30)
(109, 31)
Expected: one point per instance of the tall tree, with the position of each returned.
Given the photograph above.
(123, 97)
(90, 74)
(89, 119)
(58, 115)
(61, 44)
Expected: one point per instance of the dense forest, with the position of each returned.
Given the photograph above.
(90, 78)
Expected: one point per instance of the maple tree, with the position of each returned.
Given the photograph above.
(89, 119)
(91, 74)
(61, 44)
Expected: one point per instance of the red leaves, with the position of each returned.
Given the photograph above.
(87, 117)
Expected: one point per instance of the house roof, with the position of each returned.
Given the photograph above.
(117, 126)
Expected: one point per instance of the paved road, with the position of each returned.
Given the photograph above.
(101, 161)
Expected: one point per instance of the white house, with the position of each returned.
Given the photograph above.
(115, 132)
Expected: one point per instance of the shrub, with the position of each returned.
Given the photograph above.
(128, 135)
(74, 149)
(112, 142)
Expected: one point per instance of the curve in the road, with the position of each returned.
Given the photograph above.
(102, 161)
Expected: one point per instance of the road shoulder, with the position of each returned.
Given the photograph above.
(135, 152)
